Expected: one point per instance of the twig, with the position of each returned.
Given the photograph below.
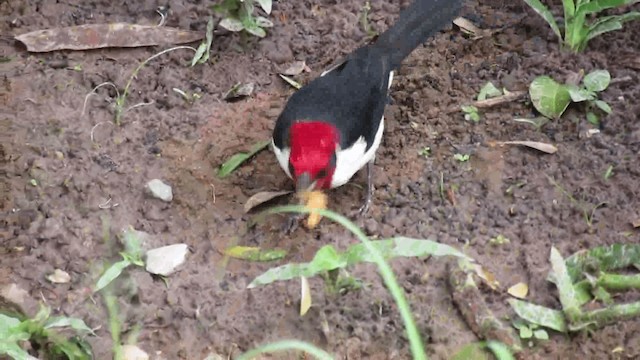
(498, 100)
(86, 98)
(95, 126)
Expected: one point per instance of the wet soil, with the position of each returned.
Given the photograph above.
(90, 177)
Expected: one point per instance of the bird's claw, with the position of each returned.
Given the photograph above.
(292, 224)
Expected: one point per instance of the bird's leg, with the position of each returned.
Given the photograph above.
(369, 194)
(292, 223)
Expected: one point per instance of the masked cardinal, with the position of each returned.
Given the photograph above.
(332, 127)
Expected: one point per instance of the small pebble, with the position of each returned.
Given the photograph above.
(164, 260)
(59, 277)
(160, 190)
(132, 352)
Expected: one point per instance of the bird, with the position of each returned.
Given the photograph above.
(332, 127)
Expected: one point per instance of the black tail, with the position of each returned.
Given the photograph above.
(416, 24)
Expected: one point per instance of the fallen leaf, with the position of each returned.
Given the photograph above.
(295, 68)
(291, 82)
(540, 146)
(314, 200)
(97, 36)
(467, 26)
(263, 197)
(251, 253)
(519, 290)
(487, 276)
(59, 277)
(305, 296)
(239, 90)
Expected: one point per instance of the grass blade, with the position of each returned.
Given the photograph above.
(287, 345)
(236, 160)
(543, 11)
(111, 274)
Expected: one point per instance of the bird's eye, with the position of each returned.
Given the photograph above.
(322, 173)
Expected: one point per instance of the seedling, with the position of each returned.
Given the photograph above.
(576, 286)
(470, 113)
(488, 91)
(529, 331)
(461, 157)
(238, 16)
(499, 240)
(551, 98)
(237, 159)
(608, 173)
(578, 31)
(132, 255)
(40, 330)
(425, 151)
(364, 20)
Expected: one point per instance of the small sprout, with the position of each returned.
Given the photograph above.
(470, 113)
(33, 182)
(608, 173)
(202, 53)
(77, 67)
(236, 160)
(461, 157)
(593, 119)
(488, 91)
(426, 151)
(499, 240)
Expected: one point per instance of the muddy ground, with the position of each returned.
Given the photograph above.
(79, 165)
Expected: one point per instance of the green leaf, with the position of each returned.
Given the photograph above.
(74, 323)
(488, 91)
(202, 54)
(525, 332)
(111, 274)
(255, 29)
(265, 5)
(13, 350)
(602, 105)
(500, 350)
(263, 22)
(471, 351)
(549, 97)
(602, 259)
(594, 6)
(546, 14)
(327, 258)
(597, 80)
(6, 324)
(541, 334)
(593, 118)
(236, 160)
(579, 94)
(568, 297)
(251, 253)
(540, 315)
(232, 24)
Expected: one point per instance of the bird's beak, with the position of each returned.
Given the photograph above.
(304, 183)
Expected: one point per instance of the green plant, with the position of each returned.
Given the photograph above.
(327, 259)
(40, 330)
(461, 157)
(470, 113)
(425, 151)
(237, 15)
(577, 285)
(529, 330)
(551, 98)
(132, 255)
(578, 30)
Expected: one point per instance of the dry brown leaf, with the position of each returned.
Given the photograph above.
(519, 290)
(97, 36)
(467, 26)
(487, 276)
(314, 200)
(263, 197)
(295, 68)
(540, 146)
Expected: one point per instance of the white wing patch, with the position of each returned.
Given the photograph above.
(283, 157)
(352, 159)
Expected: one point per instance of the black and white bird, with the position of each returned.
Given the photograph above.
(332, 127)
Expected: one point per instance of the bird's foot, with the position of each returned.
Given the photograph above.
(292, 223)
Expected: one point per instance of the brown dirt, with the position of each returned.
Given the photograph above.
(205, 306)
